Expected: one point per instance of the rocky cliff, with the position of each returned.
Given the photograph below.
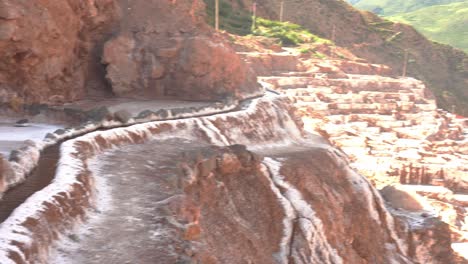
(165, 49)
(60, 51)
(50, 49)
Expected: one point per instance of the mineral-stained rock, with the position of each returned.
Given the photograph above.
(122, 70)
(399, 197)
(432, 242)
(56, 52)
(7, 30)
(9, 11)
(277, 210)
(173, 54)
(49, 47)
(123, 116)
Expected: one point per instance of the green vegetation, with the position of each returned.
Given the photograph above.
(313, 53)
(319, 55)
(234, 20)
(381, 26)
(238, 21)
(288, 33)
(443, 23)
(393, 7)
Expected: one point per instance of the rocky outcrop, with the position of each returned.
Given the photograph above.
(213, 195)
(50, 49)
(173, 54)
(283, 209)
(56, 52)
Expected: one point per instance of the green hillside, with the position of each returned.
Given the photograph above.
(443, 23)
(394, 7)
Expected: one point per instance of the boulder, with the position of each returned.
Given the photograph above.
(98, 114)
(122, 70)
(399, 197)
(6, 173)
(184, 59)
(123, 116)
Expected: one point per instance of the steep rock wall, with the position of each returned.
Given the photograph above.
(60, 51)
(50, 48)
(173, 54)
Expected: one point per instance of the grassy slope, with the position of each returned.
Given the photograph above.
(443, 23)
(288, 33)
(393, 7)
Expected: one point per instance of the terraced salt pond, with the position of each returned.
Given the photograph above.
(12, 137)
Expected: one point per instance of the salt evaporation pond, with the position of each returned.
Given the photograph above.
(12, 137)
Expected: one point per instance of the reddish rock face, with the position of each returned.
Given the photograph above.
(239, 217)
(302, 205)
(53, 52)
(173, 54)
(48, 48)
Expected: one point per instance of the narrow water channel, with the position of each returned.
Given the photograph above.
(39, 178)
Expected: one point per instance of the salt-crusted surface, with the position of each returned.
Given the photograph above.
(28, 155)
(461, 249)
(310, 225)
(130, 227)
(12, 137)
(315, 229)
(75, 152)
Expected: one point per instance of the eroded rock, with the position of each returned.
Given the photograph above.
(49, 48)
(277, 211)
(173, 54)
(400, 197)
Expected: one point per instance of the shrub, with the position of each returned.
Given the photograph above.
(288, 33)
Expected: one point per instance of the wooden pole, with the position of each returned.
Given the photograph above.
(333, 40)
(405, 63)
(254, 15)
(217, 15)
(281, 11)
(333, 33)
